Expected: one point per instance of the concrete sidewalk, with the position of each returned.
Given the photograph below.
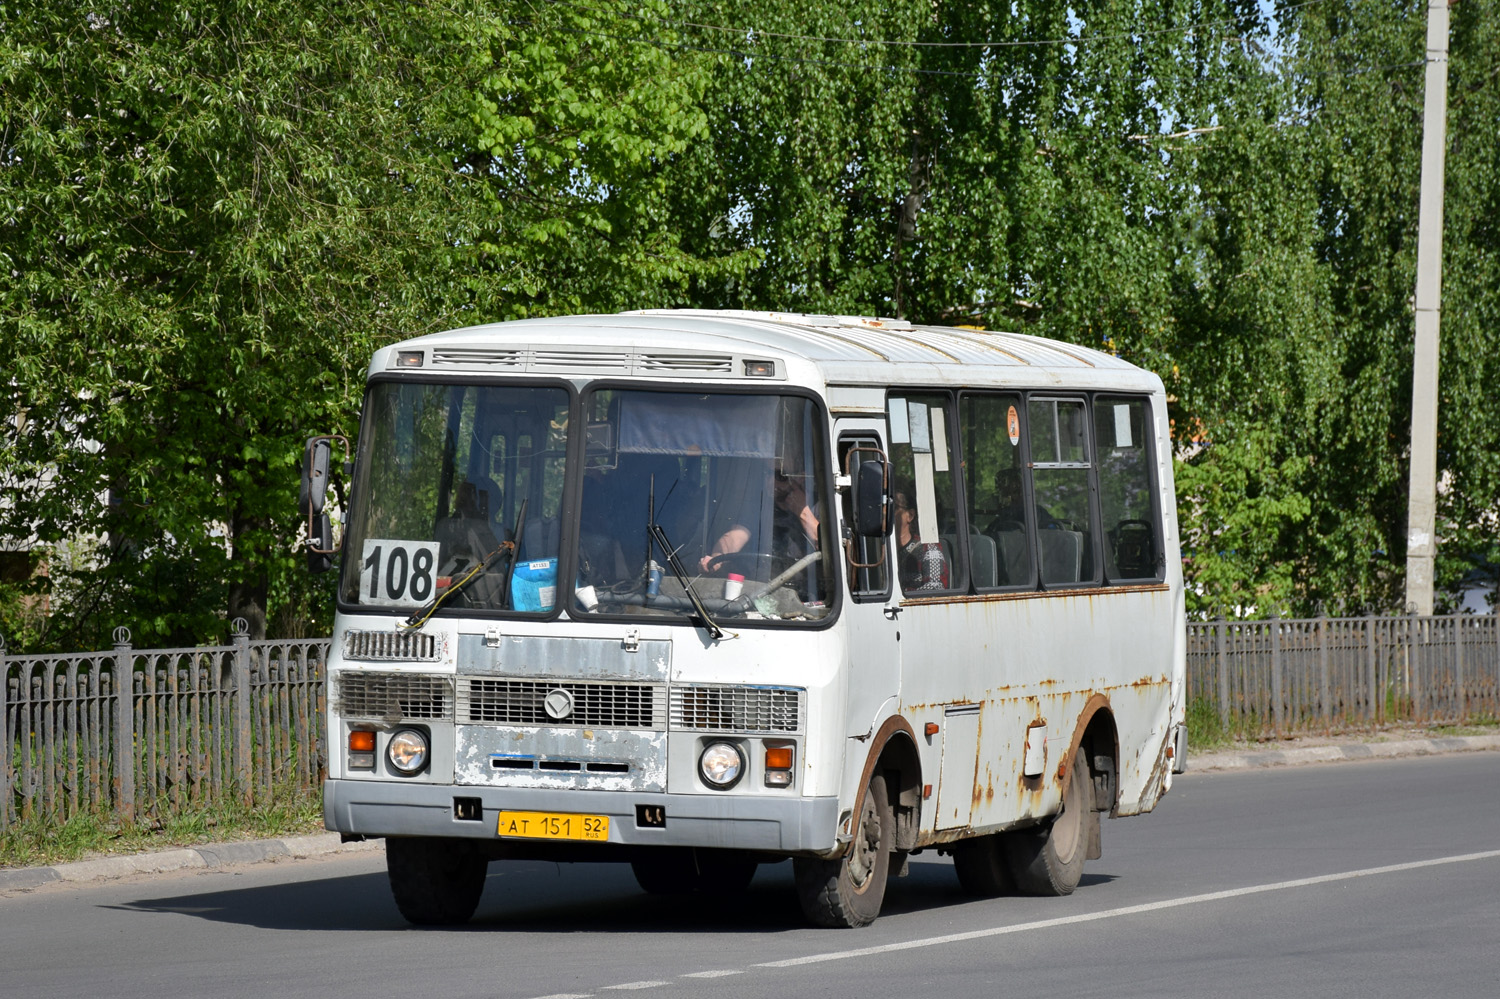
(212, 856)
(209, 856)
(1334, 751)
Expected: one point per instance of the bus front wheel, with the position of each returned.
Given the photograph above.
(1048, 859)
(436, 882)
(848, 892)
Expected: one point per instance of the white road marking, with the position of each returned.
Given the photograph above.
(711, 974)
(569, 995)
(637, 985)
(1129, 910)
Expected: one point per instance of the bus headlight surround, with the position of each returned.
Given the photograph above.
(407, 751)
(721, 765)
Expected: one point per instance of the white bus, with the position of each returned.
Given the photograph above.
(698, 591)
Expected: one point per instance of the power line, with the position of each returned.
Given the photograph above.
(892, 43)
(752, 56)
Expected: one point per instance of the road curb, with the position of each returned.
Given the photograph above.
(209, 856)
(1348, 751)
(213, 856)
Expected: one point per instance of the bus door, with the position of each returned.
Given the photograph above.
(870, 614)
(944, 681)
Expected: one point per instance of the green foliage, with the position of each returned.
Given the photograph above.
(214, 212)
(211, 213)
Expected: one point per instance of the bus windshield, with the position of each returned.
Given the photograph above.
(688, 502)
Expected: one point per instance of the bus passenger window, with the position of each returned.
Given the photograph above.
(927, 554)
(1122, 438)
(999, 539)
(1060, 484)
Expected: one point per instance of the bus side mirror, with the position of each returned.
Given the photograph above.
(317, 456)
(315, 461)
(319, 543)
(870, 501)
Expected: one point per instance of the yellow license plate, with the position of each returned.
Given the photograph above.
(554, 825)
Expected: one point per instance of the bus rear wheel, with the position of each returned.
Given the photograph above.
(848, 892)
(436, 882)
(1048, 859)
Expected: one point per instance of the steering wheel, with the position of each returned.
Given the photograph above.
(751, 565)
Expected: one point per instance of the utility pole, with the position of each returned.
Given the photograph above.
(1421, 540)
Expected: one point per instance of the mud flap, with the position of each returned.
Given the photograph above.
(1096, 840)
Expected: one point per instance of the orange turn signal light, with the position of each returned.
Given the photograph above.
(361, 741)
(778, 757)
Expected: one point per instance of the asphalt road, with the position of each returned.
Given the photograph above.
(1352, 879)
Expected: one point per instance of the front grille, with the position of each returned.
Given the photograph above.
(466, 357)
(393, 696)
(594, 705)
(718, 364)
(737, 709)
(387, 646)
(582, 360)
(579, 359)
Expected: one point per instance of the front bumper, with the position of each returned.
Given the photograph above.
(732, 822)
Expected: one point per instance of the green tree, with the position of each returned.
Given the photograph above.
(214, 212)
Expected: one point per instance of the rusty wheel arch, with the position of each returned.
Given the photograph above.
(894, 752)
(1097, 731)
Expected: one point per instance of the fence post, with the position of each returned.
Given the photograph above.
(122, 676)
(1223, 672)
(5, 737)
(242, 737)
(1276, 706)
(1460, 698)
(1323, 692)
(1417, 665)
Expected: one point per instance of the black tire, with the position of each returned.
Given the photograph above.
(682, 872)
(848, 892)
(1048, 859)
(983, 866)
(436, 882)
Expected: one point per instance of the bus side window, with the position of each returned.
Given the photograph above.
(871, 579)
(927, 553)
(1000, 547)
(1060, 485)
(1131, 532)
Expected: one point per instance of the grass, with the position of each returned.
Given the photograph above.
(40, 842)
(1482, 726)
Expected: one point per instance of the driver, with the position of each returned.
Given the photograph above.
(794, 526)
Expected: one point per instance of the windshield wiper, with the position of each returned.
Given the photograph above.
(419, 617)
(660, 537)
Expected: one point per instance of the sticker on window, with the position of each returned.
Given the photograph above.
(397, 573)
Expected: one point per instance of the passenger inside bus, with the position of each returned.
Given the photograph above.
(921, 565)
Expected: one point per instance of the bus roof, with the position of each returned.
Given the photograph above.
(849, 350)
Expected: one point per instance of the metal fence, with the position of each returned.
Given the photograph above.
(146, 733)
(243, 723)
(1286, 676)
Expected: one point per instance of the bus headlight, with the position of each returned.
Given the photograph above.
(407, 751)
(721, 765)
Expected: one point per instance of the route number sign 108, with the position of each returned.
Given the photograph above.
(397, 573)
